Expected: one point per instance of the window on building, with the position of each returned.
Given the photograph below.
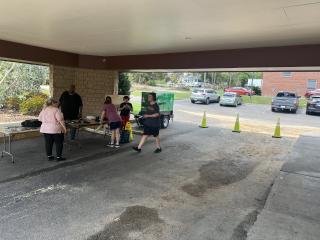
(312, 84)
(286, 74)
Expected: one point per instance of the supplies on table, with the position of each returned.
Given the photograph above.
(31, 123)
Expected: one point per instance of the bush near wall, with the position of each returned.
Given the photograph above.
(257, 90)
(12, 103)
(33, 104)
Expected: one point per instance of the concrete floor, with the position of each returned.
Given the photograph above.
(206, 184)
(293, 208)
(30, 157)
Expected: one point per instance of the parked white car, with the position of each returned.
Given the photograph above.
(204, 95)
(194, 83)
(231, 99)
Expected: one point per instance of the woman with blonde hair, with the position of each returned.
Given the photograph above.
(53, 128)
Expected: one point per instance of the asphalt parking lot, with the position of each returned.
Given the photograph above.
(206, 184)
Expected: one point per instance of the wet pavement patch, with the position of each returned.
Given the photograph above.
(241, 231)
(218, 173)
(133, 220)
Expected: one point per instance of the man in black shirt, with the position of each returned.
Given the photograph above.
(125, 110)
(71, 107)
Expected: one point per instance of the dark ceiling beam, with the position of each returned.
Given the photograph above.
(23, 52)
(289, 56)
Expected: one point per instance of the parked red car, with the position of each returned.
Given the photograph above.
(309, 93)
(240, 90)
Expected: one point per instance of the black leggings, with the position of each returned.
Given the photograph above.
(54, 138)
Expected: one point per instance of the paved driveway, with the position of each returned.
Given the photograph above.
(253, 118)
(258, 112)
(206, 184)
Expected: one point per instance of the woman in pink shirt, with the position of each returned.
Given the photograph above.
(53, 128)
(110, 113)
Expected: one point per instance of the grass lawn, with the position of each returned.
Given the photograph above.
(257, 99)
(181, 95)
(136, 107)
(267, 100)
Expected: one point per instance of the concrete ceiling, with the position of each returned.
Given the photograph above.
(127, 27)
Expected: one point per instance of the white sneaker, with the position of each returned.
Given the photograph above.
(110, 145)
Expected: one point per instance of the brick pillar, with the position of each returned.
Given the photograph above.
(92, 85)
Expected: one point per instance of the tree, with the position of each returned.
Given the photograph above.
(17, 80)
(124, 85)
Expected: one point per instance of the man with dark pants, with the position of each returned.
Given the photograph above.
(71, 107)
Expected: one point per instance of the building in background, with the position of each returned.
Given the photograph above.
(299, 82)
(255, 82)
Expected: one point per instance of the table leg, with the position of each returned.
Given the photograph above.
(4, 145)
(5, 150)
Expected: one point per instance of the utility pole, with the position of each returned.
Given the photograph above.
(252, 74)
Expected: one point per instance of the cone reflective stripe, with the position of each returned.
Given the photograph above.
(204, 121)
(277, 131)
(237, 125)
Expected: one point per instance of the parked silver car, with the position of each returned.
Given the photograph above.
(230, 99)
(285, 101)
(204, 95)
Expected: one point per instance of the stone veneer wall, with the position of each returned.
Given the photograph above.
(92, 85)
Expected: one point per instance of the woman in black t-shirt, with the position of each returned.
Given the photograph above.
(151, 124)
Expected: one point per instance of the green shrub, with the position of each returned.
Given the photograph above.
(33, 105)
(124, 84)
(12, 103)
(152, 83)
(257, 90)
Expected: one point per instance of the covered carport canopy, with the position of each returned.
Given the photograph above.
(180, 34)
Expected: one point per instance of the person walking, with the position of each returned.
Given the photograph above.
(53, 129)
(71, 107)
(125, 110)
(151, 124)
(110, 114)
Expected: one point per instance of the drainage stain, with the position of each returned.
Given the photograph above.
(218, 173)
(134, 219)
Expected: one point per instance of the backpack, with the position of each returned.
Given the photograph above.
(32, 123)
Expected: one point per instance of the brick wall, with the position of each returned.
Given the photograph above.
(92, 85)
(298, 82)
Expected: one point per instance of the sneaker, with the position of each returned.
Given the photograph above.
(158, 150)
(137, 149)
(50, 158)
(61, 159)
(110, 145)
(117, 146)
